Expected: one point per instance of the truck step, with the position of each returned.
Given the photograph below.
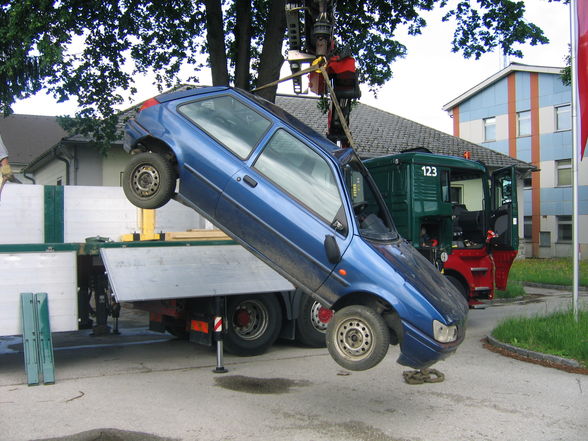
(480, 269)
(481, 288)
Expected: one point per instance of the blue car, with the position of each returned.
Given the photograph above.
(307, 208)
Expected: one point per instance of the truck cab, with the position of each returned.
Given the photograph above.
(456, 213)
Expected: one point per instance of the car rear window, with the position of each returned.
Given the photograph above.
(302, 173)
(229, 121)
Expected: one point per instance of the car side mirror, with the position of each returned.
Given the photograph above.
(332, 249)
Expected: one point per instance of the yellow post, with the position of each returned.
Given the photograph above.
(147, 223)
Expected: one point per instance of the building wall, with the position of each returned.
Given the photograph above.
(541, 94)
(53, 173)
(113, 165)
(88, 165)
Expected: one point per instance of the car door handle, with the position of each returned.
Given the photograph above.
(250, 181)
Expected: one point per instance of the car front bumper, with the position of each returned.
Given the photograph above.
(420, 351)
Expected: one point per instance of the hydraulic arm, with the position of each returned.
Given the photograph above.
(310, 26)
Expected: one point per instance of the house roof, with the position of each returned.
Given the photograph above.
(28, 136)
(512, 67)
(379, 133)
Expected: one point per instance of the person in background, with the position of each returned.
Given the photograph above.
(4, 165)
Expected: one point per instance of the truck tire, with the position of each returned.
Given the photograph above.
(254, 323)
(312, 321)
(149, 180)
(357, 338)
(459, 285)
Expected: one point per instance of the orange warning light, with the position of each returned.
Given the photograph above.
(467, 154)
(343, 272)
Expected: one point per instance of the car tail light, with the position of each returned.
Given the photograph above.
(150, 102)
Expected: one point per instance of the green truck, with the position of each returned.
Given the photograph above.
(463, 218)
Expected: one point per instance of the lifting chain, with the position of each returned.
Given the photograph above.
(423, 376)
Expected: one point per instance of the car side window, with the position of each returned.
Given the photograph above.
(229, 121)
(302, 173)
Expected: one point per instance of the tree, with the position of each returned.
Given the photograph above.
(93, 50)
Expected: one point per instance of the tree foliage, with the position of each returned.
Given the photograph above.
(93, 51)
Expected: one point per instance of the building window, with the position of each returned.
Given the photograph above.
(564, 228)
(490, 129)
(563, 117)
(564, 172)
(545, 239)
(524, 123)
(528, 227)
(59, 181)
(528, 182)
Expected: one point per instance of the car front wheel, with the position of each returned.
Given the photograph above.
(357, 338)
(149, 180)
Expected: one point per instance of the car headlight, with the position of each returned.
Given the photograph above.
(444, 333)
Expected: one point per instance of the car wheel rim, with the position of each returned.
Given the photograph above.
(354, 339)
(250, 320)
(145, 180)
(320, 317)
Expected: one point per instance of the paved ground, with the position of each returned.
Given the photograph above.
(121, 389)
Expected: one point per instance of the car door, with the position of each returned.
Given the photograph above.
(504, 222)
(288, 208)
(223, 133)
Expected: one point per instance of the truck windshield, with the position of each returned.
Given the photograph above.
(370, 213)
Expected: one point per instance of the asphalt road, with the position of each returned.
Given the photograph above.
(142, 386)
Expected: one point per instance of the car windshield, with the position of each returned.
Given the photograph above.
(371, 214)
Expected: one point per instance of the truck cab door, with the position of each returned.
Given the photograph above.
(504, 223)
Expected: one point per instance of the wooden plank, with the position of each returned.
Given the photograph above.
(197, 235)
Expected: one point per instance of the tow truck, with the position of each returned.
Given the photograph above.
(90, 250)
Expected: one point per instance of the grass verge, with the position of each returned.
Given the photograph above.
(556, 334)
(514, 288)
(548, 271)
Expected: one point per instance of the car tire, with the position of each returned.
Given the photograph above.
(459, 285)
(254, 323)
(312, 322)
(357, 338)
(149, 180)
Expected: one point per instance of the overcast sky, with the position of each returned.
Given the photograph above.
(426, 79)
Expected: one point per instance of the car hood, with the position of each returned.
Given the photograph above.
(424, 278)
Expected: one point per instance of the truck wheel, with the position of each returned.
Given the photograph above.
(311, 324)
(461, 288)
(149, 180)
(178, 332)
(254, 323)
(357, 338)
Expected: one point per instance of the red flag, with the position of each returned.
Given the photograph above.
(582, 71)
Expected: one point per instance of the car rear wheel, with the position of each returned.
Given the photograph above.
(357, 338)
(254, 324)
(149, 180)
(312, 322)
